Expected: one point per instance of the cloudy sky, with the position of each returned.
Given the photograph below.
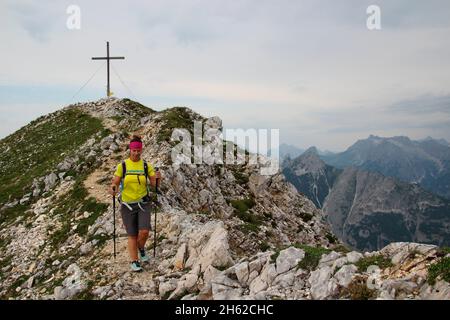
(310, 68)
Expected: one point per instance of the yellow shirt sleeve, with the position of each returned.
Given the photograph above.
(118, 172)
(151, 170)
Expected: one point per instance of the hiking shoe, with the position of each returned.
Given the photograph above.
(143, 255)
(136, 266)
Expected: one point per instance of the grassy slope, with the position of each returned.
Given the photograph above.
(35, 150)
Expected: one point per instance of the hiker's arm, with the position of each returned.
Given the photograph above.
(153, 178)
(114, 183)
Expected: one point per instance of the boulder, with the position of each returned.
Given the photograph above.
(223, 288)
(242, 272)
(345, 275)
(288, 259)
(322, 284)
(354, 257)
(50, 181)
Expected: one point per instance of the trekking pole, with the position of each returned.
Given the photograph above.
(156, 208)
(114, 220)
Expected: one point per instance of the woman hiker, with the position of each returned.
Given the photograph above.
(135, 207)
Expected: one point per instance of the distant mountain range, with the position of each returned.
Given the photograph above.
(425, 162)
(441, 141)
(290, 151)
(367, 210)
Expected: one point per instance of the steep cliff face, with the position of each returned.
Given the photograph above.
(56, 217)
(367, 210)
(311, 176)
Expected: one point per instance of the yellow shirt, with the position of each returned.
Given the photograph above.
(134, 185)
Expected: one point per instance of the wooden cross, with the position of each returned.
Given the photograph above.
(107, 58)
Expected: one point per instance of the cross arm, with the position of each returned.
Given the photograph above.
(106, 58)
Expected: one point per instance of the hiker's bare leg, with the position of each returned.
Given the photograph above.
(132, 248)
(142, 238)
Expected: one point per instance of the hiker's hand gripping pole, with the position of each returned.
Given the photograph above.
(156, 208)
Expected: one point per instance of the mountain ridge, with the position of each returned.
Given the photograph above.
(224, 231)
(426, 162)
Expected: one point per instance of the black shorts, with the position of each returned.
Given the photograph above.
(136, 219)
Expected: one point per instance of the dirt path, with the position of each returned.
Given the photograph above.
(98, 182)
(140, 285)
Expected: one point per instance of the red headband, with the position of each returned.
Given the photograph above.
(135, 145)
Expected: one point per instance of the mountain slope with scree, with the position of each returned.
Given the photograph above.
(224, 231)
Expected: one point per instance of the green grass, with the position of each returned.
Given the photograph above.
(378, 260)
(441, 268)
(331, 238)
(312, 256)
(57, 138)
(76, 201)
(139, 109)
(249, 227)
(118, 118)
(11, 292)
(264, 246)
(43, 143)
(6, 261)
(444, 251)
(136, 111)
(9, 215)
(341, 248)
(274, 256)
(306, 216)
(251, 221)
(101, 239)
(222, 268)
(242, 206)
(86, 294)
(93, 207)
(311, 259)
(167, 295)
(177, 117)
(55, 283)
(241, 178)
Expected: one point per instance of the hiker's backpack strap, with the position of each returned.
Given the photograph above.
(124, 169)
(146, 170)
(146, 177)
(122, 182)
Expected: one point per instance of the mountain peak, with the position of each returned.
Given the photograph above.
(309, 161)
(311, 151)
